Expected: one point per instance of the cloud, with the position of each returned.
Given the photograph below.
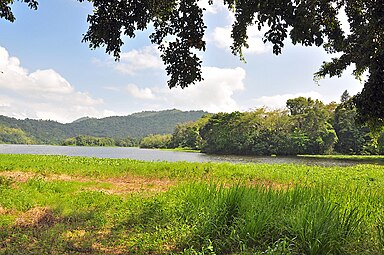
(134, 61)
(221, 37)
(211, 8)
(343, 18)
(43, 94)
(214, 94)
(279, 101)
(140, 93)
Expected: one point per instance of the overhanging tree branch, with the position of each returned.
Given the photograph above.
(306, 22)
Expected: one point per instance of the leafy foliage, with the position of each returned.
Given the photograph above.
(187, 135)
(182, 19)
(6, 12)
(353, 137)
(156, 141)
(307, 127)
(313, 121)
(264, 132)
(89, 141)
(179, 31)
(221, 134)
(381, 144)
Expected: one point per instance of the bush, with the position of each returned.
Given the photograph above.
(156, 141)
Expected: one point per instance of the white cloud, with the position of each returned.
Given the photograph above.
(279, 101)
(214, 94)
(137, 60)
(140, 93)
(51, 82)
(43, 94)
(343, 18)
(255, 41)
(211, 8)
(221, 37)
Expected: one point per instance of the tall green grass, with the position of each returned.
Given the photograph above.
(213, 209)
(244, 219)
(198, 218)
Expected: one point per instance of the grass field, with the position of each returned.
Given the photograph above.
(76, 205)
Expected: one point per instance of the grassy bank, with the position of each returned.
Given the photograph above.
(75, 205)
(182, 150)
(360, 158)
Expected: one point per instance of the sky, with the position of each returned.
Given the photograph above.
(48, 73)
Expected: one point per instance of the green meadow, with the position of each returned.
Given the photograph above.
(78, 205)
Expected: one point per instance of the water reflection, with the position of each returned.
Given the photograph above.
(163, 155)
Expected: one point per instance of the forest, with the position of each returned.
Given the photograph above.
(306, 126)
(111, 131)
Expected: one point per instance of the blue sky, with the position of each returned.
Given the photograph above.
(47, 73)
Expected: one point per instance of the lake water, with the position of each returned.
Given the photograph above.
(161, 155)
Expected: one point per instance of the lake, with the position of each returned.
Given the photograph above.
(162, 155)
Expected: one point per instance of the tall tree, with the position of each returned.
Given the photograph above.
(381, 143)
(345, 97)
(353, 138)
(258, 132)
(307, 22)
(187, 135)
(223, 134)
(313, 131)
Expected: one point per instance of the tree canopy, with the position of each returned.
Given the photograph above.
(306, 22)
(307, 127)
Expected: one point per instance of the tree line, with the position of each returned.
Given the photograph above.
(306, 126)
(18, 136)
(85, 140)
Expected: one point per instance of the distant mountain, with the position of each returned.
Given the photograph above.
(81, 119)
(137, 125)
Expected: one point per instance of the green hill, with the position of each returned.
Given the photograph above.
(14, 136)
(137, 125)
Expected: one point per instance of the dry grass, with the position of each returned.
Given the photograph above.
(138, 184)
(121, 185)
(270, 184)
(18, 176)
(4, 211)
(128, 184)
(118, 249)
(36, 217)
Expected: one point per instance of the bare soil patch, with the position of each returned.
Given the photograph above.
(36, 217)
(118, 185)
(18, 176)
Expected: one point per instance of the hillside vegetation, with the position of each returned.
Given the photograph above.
(14, 136)
(137, 125)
